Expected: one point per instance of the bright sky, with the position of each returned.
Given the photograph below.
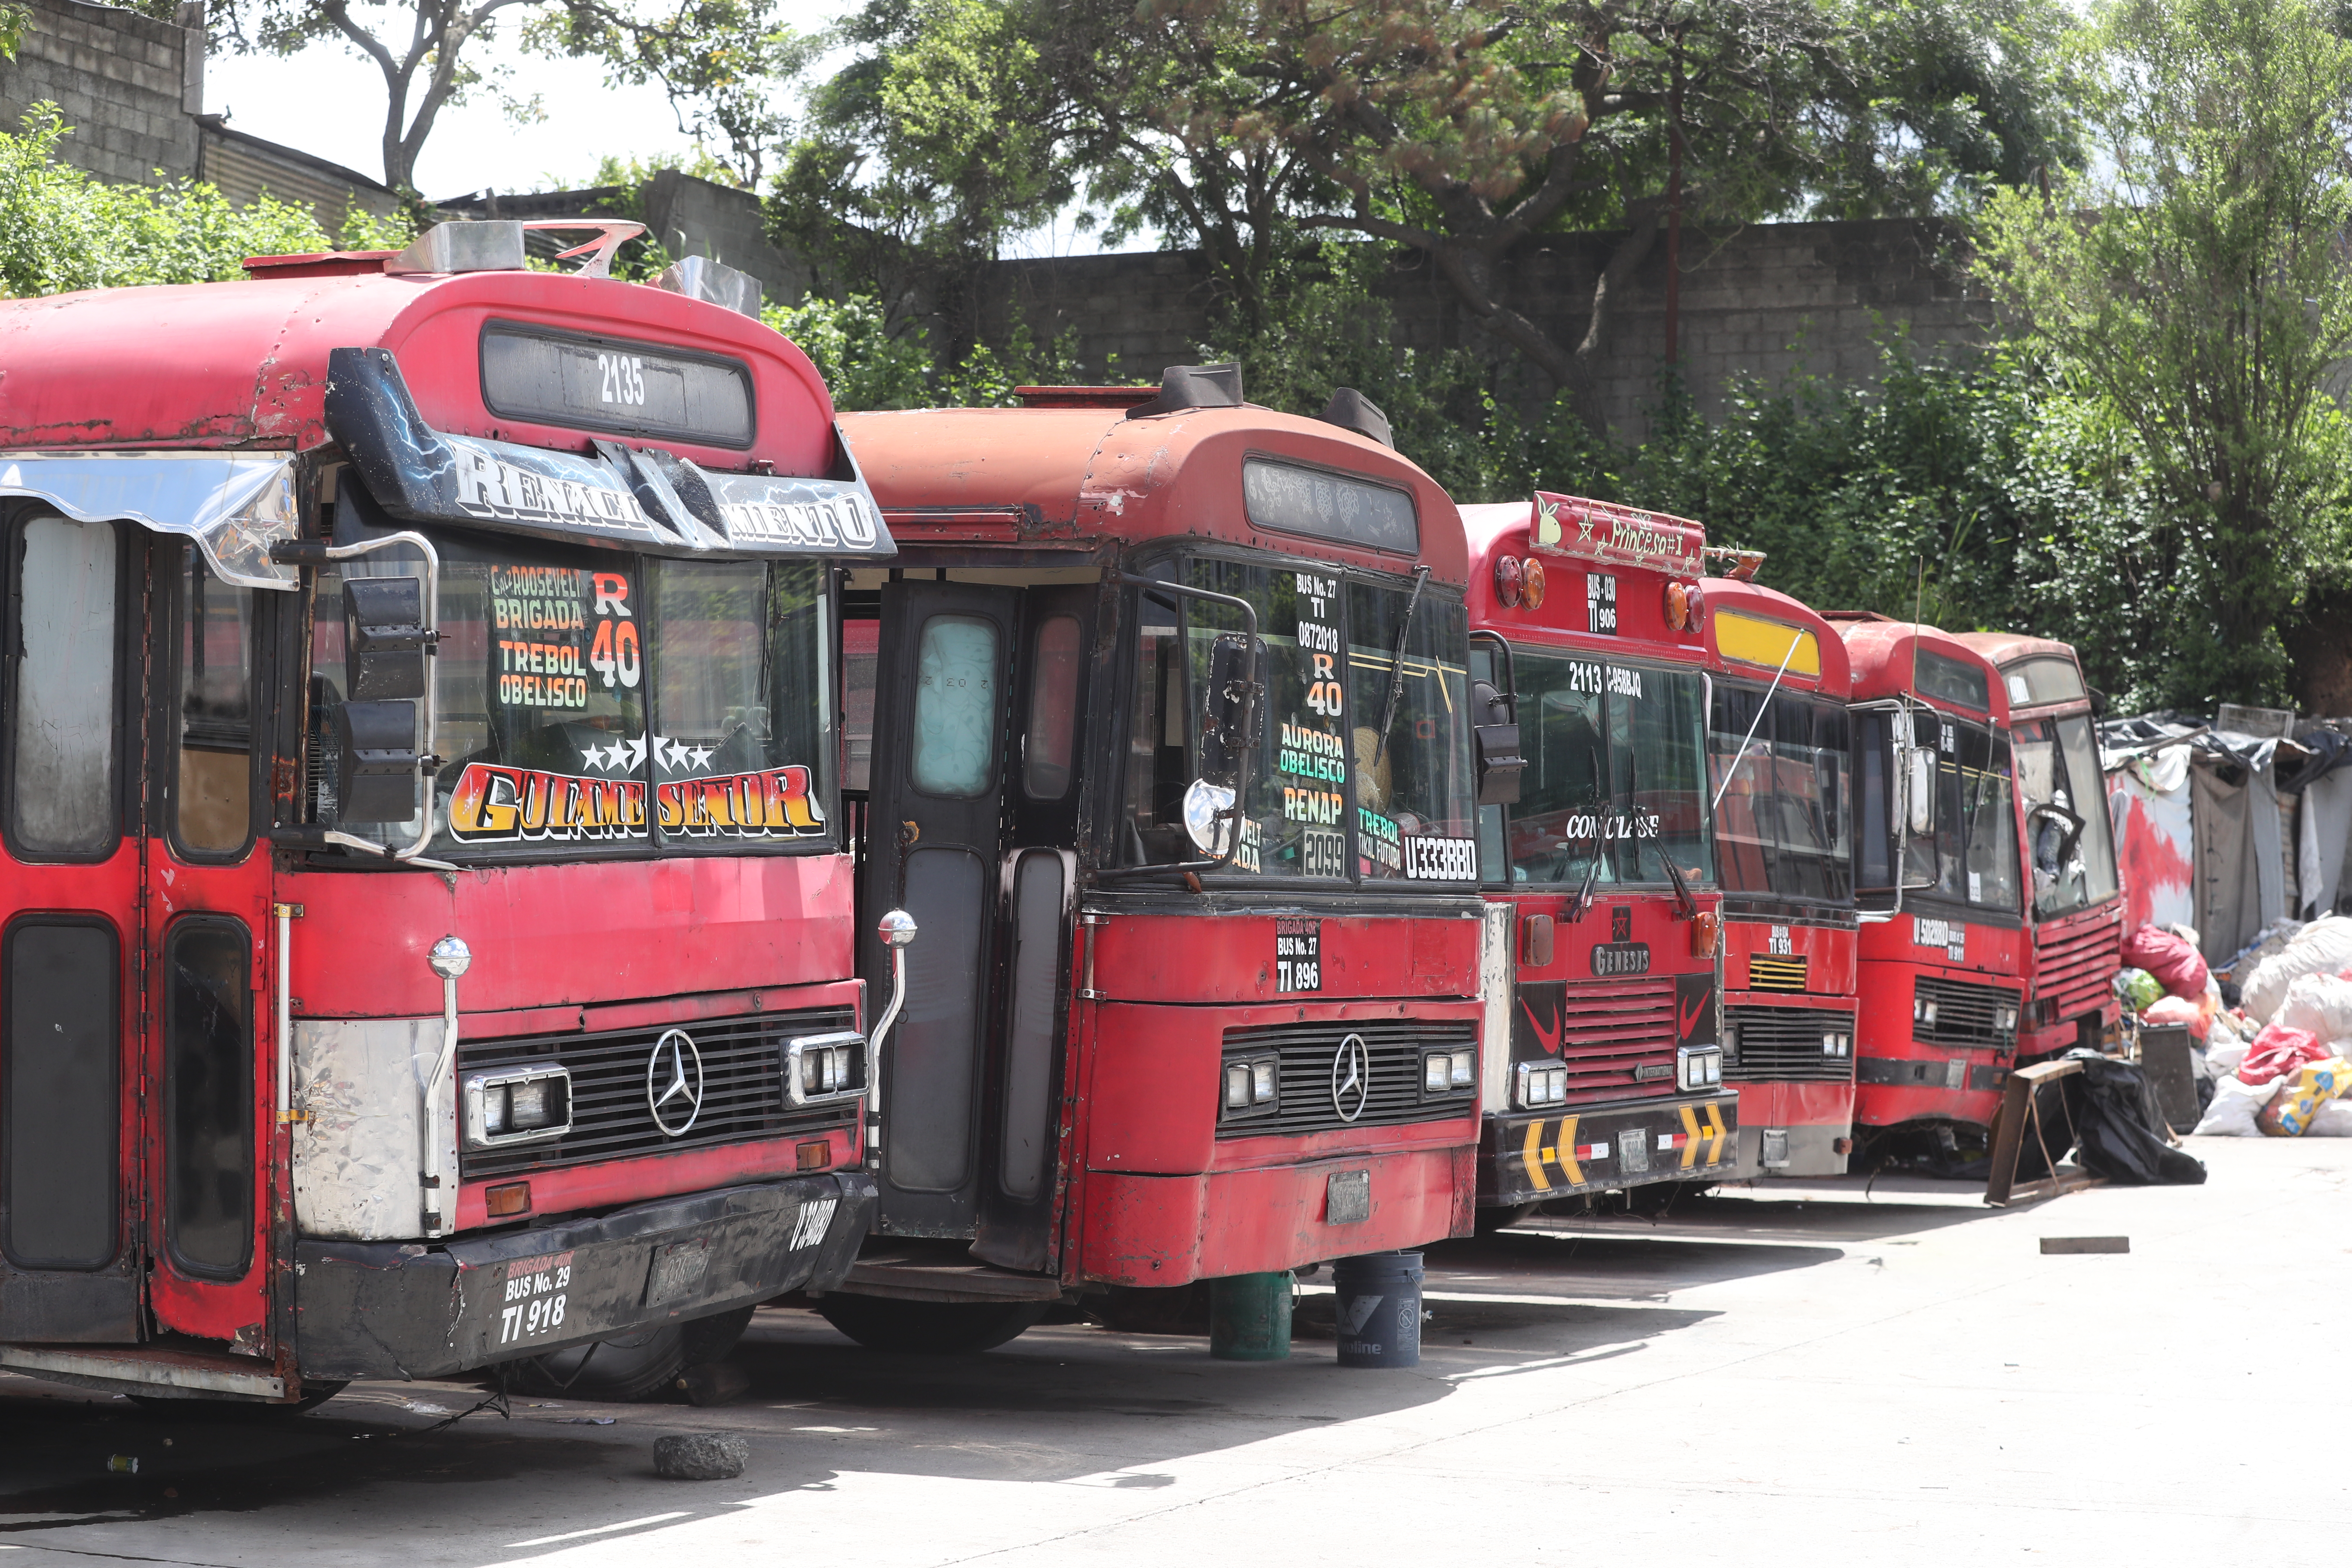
(329, 101)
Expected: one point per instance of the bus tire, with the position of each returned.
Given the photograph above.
(631, 1366)
(929, 1328)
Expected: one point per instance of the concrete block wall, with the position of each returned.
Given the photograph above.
(131, 86)
(1770, 300)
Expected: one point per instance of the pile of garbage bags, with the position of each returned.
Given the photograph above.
(2281, 1061)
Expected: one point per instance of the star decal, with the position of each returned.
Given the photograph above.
(596, 757)
(702, 756)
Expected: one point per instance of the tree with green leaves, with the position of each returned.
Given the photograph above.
(2197, 281)
(704, 52)
(13, 22)
(937, 141)
(61, 229)
(1459, 130)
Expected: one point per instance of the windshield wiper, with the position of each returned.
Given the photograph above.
(1682, 887)
(1396, 666)
(1584, 894)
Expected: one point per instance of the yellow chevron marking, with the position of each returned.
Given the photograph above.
(1690, 1128)
(1716, 1133)
(1532, 1156)
(1569, 1167)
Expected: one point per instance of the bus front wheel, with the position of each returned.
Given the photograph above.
(929, 1328)
(631, 1366)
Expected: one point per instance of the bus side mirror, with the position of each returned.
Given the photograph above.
(378, 742)
(1233, 719)
(1495, 728)
(1919, 790)
(384, 640)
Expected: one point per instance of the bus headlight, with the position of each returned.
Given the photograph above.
(1698, 1066)
(1253, 1087)
(1541, 1084)
(529, 1103)
(819, 1068)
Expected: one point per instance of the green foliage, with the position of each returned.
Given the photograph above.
(13, 20)
(929, 149)
(364, 230)
(867, 364)
(2196, 284)
(60, 229)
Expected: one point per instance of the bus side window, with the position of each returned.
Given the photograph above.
(62, 793)
(212, 795)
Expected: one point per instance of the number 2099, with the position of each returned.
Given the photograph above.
(622, 379)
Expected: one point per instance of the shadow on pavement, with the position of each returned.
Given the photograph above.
(1068, 1402)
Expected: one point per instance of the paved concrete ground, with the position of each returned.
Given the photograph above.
(1755, 1381)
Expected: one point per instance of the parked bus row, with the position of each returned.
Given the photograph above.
(525, 836)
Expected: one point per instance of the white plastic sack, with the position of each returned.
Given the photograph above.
(2323, 947)
(2333, 1119)
(2232, 1112)
(2320, 1003)
(2224, 1047)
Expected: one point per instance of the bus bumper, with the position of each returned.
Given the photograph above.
(1602, 1148)
(1793, 1129)
(1159, 1230)
(408, 1309)
(1891, 1090)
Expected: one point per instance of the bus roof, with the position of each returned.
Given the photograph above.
(1503, 530)
(1951, 675)
(1749, 628)
(2040, 673)
(243, 365)
(1071, 476)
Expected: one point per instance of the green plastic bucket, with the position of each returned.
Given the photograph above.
(1249, 1317)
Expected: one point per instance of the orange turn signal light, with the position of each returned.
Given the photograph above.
(814, 1156)
(1532, 583)
(1705, 931)
(507, 1201)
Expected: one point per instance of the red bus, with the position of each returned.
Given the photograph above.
(1781, 779)
(424, 928)
(2077, 909)
(1937, 877)
(1143, 1048)
(1604, 985)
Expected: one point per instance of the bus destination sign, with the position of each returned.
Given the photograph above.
(615, 385)
(1621, 536)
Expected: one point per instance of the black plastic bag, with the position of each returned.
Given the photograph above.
(2116, 1127)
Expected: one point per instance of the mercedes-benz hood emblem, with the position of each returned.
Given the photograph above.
(674, 1083)
(1351, 1077)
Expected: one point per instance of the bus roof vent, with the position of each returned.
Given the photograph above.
(699, 277)
(496, 246)
(1351, 410)
(1193, 386)
(462, 247)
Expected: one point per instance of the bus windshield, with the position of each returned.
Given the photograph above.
(1779, 774)
(1614, 777)
(2058, 768)
(590, 700)
(1970, 854)
(1332, 795)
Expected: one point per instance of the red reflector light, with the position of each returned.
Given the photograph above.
(814, 1156)
(504, 1202)
(1507, 582)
